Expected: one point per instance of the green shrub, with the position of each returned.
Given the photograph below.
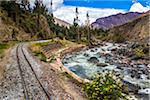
(118, 38)
(40, 55)
(139, 52)
(52, 58)
(2, 48)
(105, 87)
(42, 43)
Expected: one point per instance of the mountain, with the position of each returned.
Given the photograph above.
(114, 20)
(136, 30)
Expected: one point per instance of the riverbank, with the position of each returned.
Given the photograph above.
(81, 62)
(53, 62)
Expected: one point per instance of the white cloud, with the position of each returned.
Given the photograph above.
(67, 13)
(137, 7)
(56, 3)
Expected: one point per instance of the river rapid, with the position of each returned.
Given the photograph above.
(111, 57)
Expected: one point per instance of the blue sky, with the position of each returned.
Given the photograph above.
(117, 4)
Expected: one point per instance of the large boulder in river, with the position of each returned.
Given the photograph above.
(135, 73)
(131, 87)
(144, 94)
(135, 57)
(93, 60)
(102, 64)
(133, 45)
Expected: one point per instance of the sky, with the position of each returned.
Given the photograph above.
(65, 9)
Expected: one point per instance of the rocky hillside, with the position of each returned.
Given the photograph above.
(114, 20)
(9, 30)
(136, 30)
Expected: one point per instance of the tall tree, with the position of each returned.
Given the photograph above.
(76, 24)
(51, 7)
(12, 8)
(88, 28)
(39, 9)
(26, 5)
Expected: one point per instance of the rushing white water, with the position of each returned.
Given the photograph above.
(78, 62)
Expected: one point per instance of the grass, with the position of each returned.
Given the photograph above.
(40, 55)
(64, 43)
(37, 48)
(42, 43)
(5, 46)
(3, 59)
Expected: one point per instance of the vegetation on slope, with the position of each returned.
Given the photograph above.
(32, 21)
(136, 30)
(105, 87)
(37, 23)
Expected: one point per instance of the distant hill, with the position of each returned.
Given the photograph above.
(114, 20)
(136, 30)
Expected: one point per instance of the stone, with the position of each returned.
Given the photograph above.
(134, 57)
(65, 62)
(144, 94)
(133, 45)
(135, 74)
(145, 71)
(93, 60)
(114, 49)
(125, 89)
(131, 87)
(86, 55)
(102, 64)
(92, 50)
(119, 67)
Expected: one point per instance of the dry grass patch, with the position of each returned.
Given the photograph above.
(4, 55)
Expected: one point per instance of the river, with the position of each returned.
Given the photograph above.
(89, 62)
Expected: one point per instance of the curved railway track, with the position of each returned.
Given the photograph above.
(33, 88)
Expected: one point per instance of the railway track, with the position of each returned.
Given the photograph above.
(33, 88)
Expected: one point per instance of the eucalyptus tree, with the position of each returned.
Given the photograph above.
(88, 28)
(12, 8)
(26, 5)
(76, 24)
(39, 9)
(51, 7)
